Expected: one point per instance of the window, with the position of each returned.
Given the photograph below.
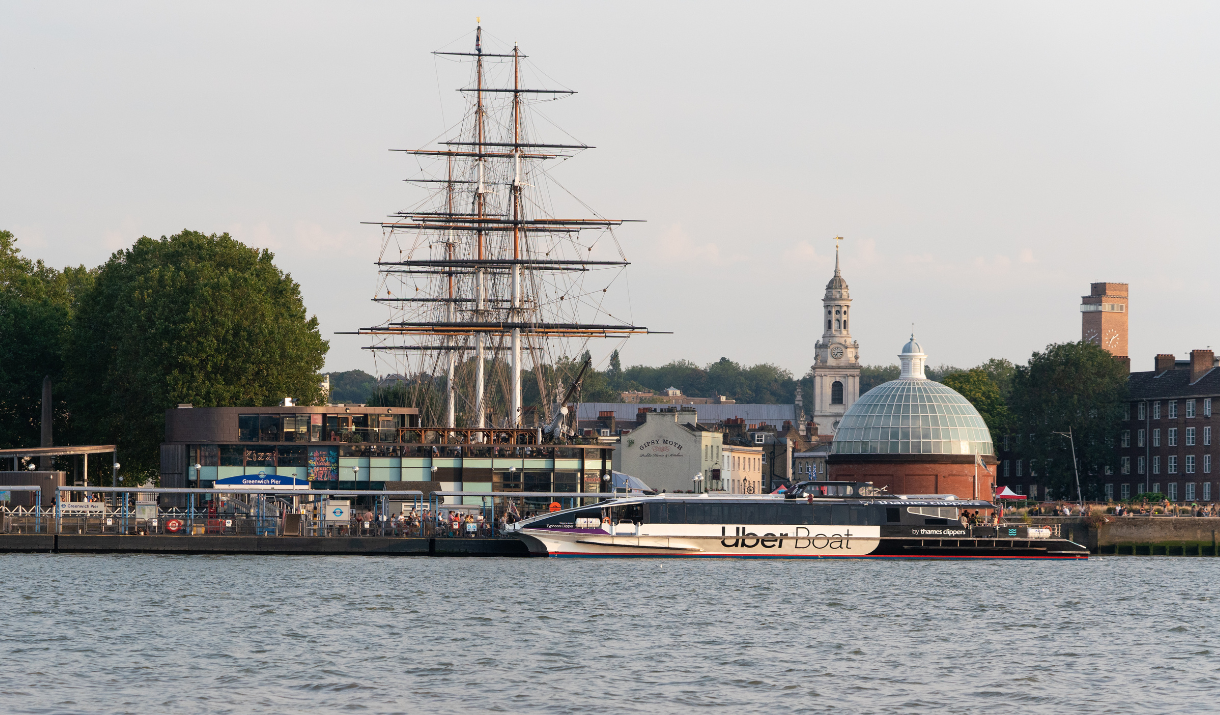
(1190, 409)
(1173, 491)
(269, 428)
(1019, 468)
(1109, 492)
(1156, 465)
(1156, 487)
(836, 393)
(1031, 439)
(1139, 465)
(605, 433)
(1207, 464)
(1006, 465)
(1190, 491)
(1207, 407)
(1207, 435)
(758, 438)
(1173, 409)
(1126, 465)
(1173, 436)
(1190, 436)
(1207, 491)
(1126, 438)
(1156, 410)
(1033, 472)
(1127, 411)
(247, 428)
(1143, 409)
(1171, 464)
(1124, 492)
(1033, 491)
(1047, 495)
(1139, 438)
(1190, 466)
(1156, 437)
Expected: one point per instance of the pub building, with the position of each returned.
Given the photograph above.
(369, 448)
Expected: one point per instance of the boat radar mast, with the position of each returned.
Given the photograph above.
(481, 278)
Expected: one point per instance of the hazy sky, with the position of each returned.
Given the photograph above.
(984, 161)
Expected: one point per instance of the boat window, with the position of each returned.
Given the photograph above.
(631, 512)
(675, 513)
(892, 515)
(655, 513)
(936, 512)
(839, 515)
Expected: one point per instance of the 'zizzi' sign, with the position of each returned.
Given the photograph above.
(660, 448)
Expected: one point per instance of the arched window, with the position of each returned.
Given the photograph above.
(828, 323)
(845, 323)
(837, 323)
(836, 393)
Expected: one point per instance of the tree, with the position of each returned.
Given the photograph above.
(1071, 386)
(36, 307)
(977, 386)
(352, 386)
(191, 318)
(1001, 373)
(874, 375)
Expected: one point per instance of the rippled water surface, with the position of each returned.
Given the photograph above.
(238, 634)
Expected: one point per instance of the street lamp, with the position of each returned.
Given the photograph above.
(698, 481)
(355, 474)
(197, 468)
(605, 481)
(1075, 468)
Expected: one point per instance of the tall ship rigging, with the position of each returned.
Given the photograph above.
(493, 297)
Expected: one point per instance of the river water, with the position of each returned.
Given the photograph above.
(275, 634)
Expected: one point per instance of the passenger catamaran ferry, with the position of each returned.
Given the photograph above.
(813, 520)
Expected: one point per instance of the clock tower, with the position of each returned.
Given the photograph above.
(1103, 317)
(836, 366)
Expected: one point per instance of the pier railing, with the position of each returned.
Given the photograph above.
(297, 512)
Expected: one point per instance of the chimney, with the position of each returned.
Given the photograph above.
(1124, 361)
(606, 419)
(44, 463)
(641, 415)
(811, 429)
(1201, 362)
(1164, 362)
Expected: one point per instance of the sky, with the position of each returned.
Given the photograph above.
(984, 162)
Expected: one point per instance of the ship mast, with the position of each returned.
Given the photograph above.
(488, 261)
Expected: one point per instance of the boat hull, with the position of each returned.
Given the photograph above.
(848, 542)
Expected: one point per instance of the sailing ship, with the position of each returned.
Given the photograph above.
(483, 282)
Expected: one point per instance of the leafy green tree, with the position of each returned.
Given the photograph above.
(351, 386)
(1001, 373)
(36, 307)
(977, 386)
(1071, 386)
(191, 318)
(874, 375)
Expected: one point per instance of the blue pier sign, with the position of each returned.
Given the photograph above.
(262, 480)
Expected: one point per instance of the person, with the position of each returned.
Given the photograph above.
(965, 519)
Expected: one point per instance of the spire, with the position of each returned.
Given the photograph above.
(836, 283)
(913, 360)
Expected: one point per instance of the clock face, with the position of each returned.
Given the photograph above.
(1111, 338)
(836, 352)
(1092, 337)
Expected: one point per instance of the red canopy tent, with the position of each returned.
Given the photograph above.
(1006, 493)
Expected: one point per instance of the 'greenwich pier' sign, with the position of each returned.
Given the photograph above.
(660, 447)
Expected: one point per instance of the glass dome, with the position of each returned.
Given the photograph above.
(912, 416)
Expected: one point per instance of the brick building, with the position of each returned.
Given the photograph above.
(915, 436)
(1167, 436)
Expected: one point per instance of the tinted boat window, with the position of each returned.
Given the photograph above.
(654, 513)
(695, 514)
(838, 515)
(675, 513)
(892, 516)
(745, 514)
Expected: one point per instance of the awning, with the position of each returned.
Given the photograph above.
(1006, 493)
(626, 481)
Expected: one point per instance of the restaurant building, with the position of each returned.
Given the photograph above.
(369, 448)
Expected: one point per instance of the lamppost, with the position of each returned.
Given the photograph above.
(114, 481)
(198, 467)
(698, 481)
(1075, 468)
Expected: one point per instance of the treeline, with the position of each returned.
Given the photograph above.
(189, 318)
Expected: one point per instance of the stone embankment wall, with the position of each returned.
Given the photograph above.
(1169, 536)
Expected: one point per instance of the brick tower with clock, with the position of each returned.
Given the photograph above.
(836, 367)
(1103, 317)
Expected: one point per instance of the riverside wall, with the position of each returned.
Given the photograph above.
(362, 546)
(1142, 536)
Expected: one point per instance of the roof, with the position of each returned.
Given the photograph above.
(773, 415)
(1172, 383)
(907, 416)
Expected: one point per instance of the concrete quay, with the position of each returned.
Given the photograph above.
(1141, 535)
(283, 545)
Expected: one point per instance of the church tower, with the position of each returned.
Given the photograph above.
(836, 367)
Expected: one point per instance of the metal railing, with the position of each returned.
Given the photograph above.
(281, 513)
(21, 518)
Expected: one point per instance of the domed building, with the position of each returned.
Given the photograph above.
(915, 436)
